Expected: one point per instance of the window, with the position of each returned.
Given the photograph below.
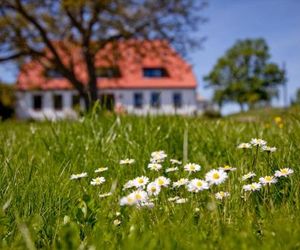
(75, 101)
(155, 72)
(138, 100)
(177, 100)
(108, 72)
(53, 73)
(58, 102)
(37, 102)
(155, 99)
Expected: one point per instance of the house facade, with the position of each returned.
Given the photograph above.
(158, 81)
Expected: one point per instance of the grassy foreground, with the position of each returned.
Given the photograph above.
(40, 207)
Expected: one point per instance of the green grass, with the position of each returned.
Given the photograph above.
(40, 207)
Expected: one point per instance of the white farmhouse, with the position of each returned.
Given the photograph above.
(157, 82)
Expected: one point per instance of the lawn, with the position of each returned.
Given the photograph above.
(42, 208)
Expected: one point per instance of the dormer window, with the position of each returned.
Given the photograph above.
(108, 72)
(155, 72)
(53, 73)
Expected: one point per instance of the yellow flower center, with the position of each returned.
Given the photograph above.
(160, 182)
(284, 171)
(192, 167)
(138, 196)
(199, 184)
(140, 181)
(268, 178)
(153, 189)
(216, 176)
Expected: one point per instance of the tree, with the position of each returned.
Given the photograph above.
(297, 98)
(31, 29)
(244, 75)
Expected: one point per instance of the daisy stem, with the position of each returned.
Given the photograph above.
(255, 158)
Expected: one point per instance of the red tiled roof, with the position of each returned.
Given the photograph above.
(133, 57)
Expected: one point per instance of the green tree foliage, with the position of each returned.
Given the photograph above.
(244, 75)
(30, 30)
(297, 97)
(7, 100)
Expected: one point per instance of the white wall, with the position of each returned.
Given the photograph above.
(125, 98)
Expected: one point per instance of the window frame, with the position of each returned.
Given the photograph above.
(58, 106)
(34, 96)
(175, 104)
(156, 104)
(151, 72)
(53, 74)
(108, 72)
(135, 103)
(76, 100)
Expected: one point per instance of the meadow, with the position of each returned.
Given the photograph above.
(45, 205)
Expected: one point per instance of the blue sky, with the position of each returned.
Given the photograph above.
(278, 21)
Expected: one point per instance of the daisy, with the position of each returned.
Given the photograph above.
(244, 145)
(252, 187)
(105, 195)
(97, 181)
(173, 161)
(146, 204)
(153, 188)
(158, 156)
(99, 170)
(154, 166)
(283, 172)
(78, 176)
(192, 167)
(139, 196)
(162, 181)
(221, 195)
(267, 180)
(128, 184)
(140, 181)
(171, 169)
(248, 176)
(180, 182)
(117, 222)
(173, 198)
(181, 200)
(269, 149)
(258, 142)
(216, 176)
(127, 200)
(127, 161)
(227, 168)
(197, 185)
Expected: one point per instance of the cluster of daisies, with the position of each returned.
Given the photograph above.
(143, 191)
(146, 190)
(266, 180)
(97, 181)
(257, 143)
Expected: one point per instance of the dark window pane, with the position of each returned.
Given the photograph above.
(37, 102)
(52, 73)
(108, 72)
(155, 99)
(155, 72)
(107, 101)
(177, 100)
(58, 102)
(75, 101)
(138, 100)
